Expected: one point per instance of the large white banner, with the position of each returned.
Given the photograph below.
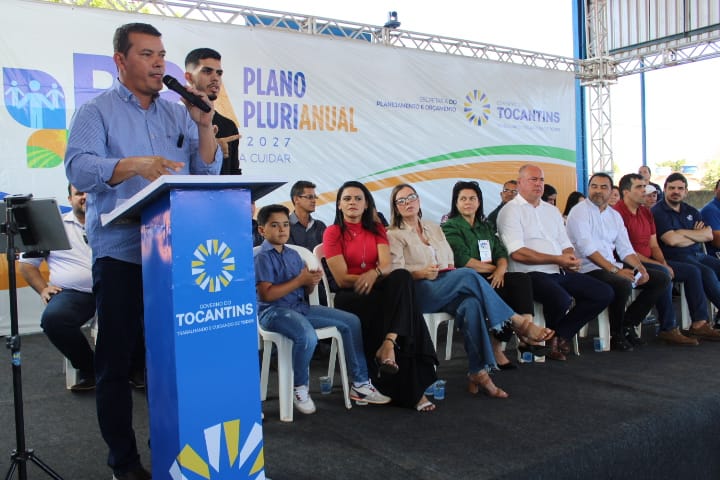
(308, 107)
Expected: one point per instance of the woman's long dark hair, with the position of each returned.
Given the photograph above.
(367, 220)
(396, 219)
(572, 200)
(463, 185)
(548, 190)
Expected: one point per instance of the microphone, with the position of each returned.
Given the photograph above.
(172, 83)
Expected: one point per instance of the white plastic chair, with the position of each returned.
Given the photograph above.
(285, 369)
(685, 320)
(433, 321)
(72, 376)
(603, 319)
(284, 353)
(319, 255)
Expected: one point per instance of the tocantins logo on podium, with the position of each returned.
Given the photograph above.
(247, 459)
(212, 265)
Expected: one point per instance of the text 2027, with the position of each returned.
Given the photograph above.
(268, 141)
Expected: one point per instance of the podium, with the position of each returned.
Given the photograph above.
(200, 324)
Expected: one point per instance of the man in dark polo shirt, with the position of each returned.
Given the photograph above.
(681, 232)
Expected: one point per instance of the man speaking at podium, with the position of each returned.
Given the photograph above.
(119, 142)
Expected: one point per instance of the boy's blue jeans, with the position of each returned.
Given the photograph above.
(301, 330)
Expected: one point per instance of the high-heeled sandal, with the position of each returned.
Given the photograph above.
(387, 365)
(425, 405)
(482, 379)
(533, 334)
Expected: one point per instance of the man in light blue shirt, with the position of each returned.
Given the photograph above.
(119, 142)
(711, 216)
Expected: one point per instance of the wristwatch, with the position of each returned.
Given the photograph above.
(614, 269)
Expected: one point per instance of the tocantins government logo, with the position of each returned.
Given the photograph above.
(212, 265)
(248, 458)
(477, 108)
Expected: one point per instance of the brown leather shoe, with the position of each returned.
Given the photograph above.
(705, 332)
(674, 337)
(555, 353)
(564, 346)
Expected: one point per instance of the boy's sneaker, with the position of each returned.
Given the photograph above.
(302, 400)
(367, 393)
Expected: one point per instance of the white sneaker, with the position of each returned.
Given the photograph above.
(302, 400)
(367, 393)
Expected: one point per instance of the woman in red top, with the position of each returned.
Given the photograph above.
(396, 340)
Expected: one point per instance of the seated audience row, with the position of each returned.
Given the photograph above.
(488, 278)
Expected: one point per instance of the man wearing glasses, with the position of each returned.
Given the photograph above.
(305, 230)
(508, 192)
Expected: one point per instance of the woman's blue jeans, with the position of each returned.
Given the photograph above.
(468, 296)
(301, 330)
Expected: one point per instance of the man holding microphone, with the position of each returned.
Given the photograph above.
(119, 142)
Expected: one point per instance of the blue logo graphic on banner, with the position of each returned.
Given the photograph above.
(34, 98)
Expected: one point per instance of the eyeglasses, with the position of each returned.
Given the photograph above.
(403, 200)
(510, 190)
(309, 197)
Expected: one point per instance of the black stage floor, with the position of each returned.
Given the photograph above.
(652, 413)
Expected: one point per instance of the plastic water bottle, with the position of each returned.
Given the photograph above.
(430, 390)
(440, 390)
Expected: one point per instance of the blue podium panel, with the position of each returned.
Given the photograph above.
(201, 336)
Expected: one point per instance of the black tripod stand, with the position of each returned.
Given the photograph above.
(20, 213)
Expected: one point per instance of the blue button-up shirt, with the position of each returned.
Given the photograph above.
(277, 268)
(711, 216)
(113, 126)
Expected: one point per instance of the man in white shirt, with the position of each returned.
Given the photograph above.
(534, 234)
(598, 231)
(68, 295)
